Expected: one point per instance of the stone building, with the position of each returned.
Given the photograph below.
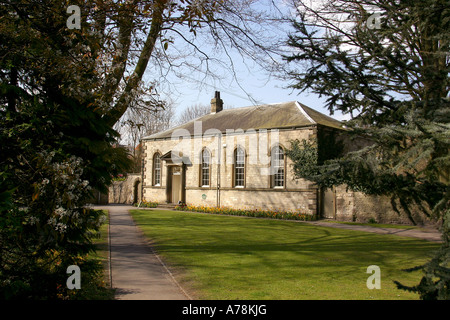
(236, 158)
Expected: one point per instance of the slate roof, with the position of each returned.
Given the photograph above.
(270, 116)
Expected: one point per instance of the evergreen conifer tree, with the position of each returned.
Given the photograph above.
(386, 63)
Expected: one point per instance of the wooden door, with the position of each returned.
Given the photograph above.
(176, 187)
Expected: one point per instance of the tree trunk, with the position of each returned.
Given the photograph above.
(133, 82)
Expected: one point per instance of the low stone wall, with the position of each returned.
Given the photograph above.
(127, 191)
(358, 207)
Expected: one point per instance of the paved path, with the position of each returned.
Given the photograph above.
(136, 271)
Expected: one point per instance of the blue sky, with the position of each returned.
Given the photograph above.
(252, 81)
(258, 85)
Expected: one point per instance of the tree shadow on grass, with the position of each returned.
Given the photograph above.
(259, 250)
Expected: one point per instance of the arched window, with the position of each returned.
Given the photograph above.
(277, 167)
(205, 166)
(157, 169)
(239, 167)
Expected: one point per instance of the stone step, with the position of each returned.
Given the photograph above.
(166, 205)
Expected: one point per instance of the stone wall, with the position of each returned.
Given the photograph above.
(127, 191)
(261, 199)
(358, 207)
(257, 192)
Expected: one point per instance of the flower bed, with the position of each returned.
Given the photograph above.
(285, 215)
(147, 204)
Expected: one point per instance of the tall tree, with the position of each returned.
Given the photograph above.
(127, 39)
(193, 112)
(55, 148)
(61, 91)
(130, 37)
(385, 62)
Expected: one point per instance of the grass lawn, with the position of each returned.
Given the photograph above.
(375, 225)
(101, 244)
(97, 287)
(229, 257)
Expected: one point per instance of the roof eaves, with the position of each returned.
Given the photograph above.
(235, 132)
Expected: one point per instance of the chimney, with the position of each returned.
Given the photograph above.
(216, 103)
